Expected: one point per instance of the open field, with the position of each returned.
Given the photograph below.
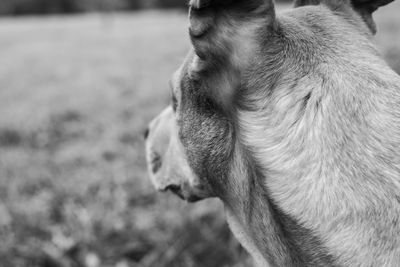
(75, 96)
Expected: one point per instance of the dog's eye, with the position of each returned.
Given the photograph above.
(173, 97)
(174, 102)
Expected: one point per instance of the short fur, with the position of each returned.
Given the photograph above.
(293, 121)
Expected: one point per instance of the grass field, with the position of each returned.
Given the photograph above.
(75, 96)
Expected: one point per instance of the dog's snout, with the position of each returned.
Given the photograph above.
(146, 133)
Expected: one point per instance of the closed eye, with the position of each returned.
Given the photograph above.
(173, 98)
(174, 102)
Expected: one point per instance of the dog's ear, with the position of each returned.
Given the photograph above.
(364, 7)
(224, 35)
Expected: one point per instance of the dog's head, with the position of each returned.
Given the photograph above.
(242, 53)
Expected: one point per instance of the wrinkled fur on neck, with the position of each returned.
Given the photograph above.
(322, 119)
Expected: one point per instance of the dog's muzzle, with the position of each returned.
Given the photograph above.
(166, 162)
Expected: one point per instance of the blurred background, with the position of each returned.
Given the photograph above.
(79, 81)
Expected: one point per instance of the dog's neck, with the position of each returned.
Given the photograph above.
(252, 218)
(270, 235)
(296, 133)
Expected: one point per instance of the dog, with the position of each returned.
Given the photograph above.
(292, 120)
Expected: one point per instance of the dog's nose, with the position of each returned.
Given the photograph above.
(146, 133)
